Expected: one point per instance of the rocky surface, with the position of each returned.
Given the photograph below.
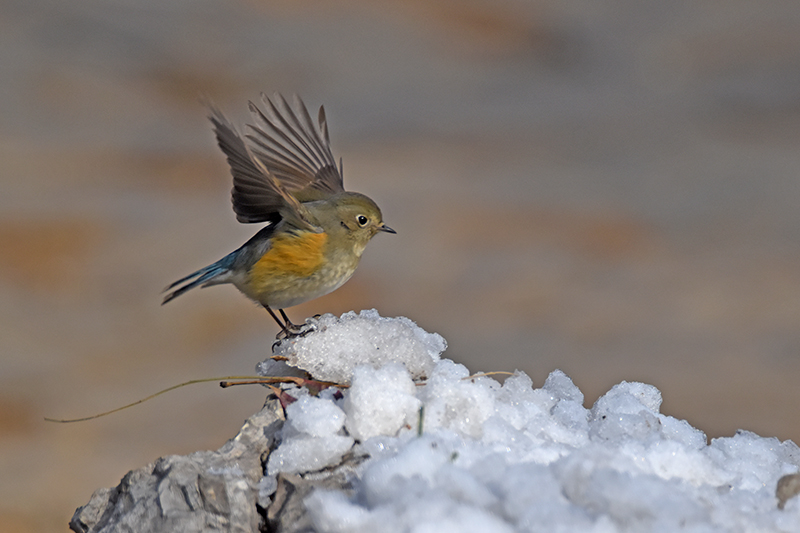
(203, 491)
(213, 491)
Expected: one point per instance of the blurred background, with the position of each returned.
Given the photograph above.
(606, 187)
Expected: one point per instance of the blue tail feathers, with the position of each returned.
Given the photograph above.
(234, 261)
(199, 278)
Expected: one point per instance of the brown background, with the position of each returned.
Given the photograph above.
(606, 187)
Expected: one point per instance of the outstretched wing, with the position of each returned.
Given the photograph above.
(298, 154)
(257, 196)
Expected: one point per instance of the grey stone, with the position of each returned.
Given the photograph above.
(214, 491)
(203, 491)
(788, 487)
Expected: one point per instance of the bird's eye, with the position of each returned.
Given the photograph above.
(362, 220)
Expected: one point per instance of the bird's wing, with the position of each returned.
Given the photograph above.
(296, 152)
(257, 196)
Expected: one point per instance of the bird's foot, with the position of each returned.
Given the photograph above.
(291, 331)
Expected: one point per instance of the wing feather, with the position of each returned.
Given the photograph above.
(294, 150)
(256, 196)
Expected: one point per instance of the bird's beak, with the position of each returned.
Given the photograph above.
(387, 229)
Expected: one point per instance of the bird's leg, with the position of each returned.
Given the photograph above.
(287, 328)
(294, 329)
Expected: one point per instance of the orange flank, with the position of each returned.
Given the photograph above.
(298, 254)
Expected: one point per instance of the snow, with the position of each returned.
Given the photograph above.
(459, 453)
(336, 345)
(380, 401)
(312, 437)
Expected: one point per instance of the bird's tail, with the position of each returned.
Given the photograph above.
(210, 275)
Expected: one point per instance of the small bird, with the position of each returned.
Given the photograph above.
(284, 174)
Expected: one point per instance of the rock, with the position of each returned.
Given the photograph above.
(788, 487)
(203, 491)
(287, 512)
(214, 491)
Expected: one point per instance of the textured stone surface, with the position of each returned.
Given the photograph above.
(213, 491)
(287, 512)
(203, 491)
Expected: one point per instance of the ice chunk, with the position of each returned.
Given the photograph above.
(380, 402)
(311, 437)
(314, 416)
(456, 403)
(417, 462)
(272, 368)
(303, 453)
(335, 346)
(628, 410)
(562, 387)
(753, 460)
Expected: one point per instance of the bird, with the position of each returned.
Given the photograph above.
(285, 175)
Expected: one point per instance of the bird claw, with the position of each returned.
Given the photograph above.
(295, 330)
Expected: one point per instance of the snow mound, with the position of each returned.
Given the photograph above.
(466, 454)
